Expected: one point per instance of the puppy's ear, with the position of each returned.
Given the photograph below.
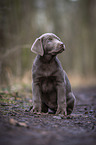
(37, 47)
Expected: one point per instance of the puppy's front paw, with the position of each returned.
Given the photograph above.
(61, 111)
(36, 110)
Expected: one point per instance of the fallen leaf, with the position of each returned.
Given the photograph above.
(13, 121)
(16, 123)
(57, 117)
(22, 124)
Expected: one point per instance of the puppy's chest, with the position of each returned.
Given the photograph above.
(48, 70)
(47, 84)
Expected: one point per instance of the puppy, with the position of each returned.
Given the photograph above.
(50, 85)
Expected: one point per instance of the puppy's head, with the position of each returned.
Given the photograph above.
(48, 43)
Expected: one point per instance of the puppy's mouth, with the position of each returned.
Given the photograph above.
(58, 50)
(61, 49)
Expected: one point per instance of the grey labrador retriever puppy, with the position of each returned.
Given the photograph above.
(50, 85)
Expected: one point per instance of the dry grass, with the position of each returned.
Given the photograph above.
(82, 81)
(16, 83)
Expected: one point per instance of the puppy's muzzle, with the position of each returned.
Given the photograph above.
(62, 46)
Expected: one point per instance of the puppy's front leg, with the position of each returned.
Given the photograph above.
(36, 97)
(61, 99)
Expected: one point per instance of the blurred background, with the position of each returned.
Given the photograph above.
(22, 21)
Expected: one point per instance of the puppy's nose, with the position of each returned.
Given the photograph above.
(62, 45)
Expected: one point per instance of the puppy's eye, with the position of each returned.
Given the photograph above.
(49, 39)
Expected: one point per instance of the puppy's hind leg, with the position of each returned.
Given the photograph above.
(70, 102)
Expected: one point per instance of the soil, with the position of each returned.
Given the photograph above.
(18, 127)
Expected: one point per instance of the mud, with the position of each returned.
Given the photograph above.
(78, 128)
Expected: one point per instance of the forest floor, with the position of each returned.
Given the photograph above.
(18, 127)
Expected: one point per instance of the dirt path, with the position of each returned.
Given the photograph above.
(77, 129)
